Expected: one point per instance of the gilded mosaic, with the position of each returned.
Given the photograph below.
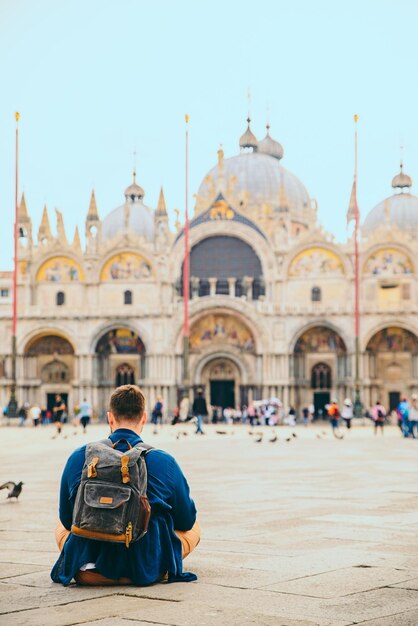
(388, 262)
(314, 262)
(126, 266)
(221, 329)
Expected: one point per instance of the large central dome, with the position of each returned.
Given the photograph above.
(261, 179)
(255, 179)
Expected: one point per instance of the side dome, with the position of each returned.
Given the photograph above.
(133, 216)
(257, 179)
(270, 146)
(400, 208)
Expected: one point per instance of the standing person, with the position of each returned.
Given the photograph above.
(334, 416)
(291, 417)
(413, 415)
(305, 415)
(157, 414)
(176, 416)
(85, 414)
(199, 411)
(58, 412)
(347, 412)
(251, 414)
(173, 531)
(35, 414)
(184, 409)
(403, 413)
(378, 416)
(45, 415)
(23, 414)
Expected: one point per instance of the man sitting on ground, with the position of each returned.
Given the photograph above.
(173, 531)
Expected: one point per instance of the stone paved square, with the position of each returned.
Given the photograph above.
(312, 531)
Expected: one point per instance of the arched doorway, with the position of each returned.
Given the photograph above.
(319, 368)
(120, 359)
(392, 360)
(49, 359)
(222, 358)
(222, 380)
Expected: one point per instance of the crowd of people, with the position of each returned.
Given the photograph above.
(56, 415)
(267, 412)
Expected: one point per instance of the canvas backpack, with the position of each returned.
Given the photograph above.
(111, 502)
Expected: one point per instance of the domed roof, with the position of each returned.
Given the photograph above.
(401, 180)
(270, 146)
(261, 177)
(133, 216)
(248, 139)
(134, 191)
(400, 209)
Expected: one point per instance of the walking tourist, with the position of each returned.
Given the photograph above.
(413, 415)
(378, 416)
(167, 512)
(305, 415)
(58, 413)
(199, 411)
(85, 414)
(334, 416)
(403, 416)
(347, 412)
(35, 414)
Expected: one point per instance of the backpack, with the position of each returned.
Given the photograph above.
(380, 414)
(111, 502)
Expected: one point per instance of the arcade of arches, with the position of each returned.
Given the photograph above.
(225, 363)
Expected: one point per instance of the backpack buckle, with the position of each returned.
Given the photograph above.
(125, 469)
(91, 468)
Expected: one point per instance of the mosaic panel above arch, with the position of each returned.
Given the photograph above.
(393, 339)
(388, 262)
(60, 269)
(316, 262)
(49, 344)
(120, 341)
(126, 266)
(221, 329)
(319, 339)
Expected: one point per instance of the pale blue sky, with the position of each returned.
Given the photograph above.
(95, 79)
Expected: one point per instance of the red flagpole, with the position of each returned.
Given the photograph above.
(186, 269)
(15, 228)
(12, 408)
(358, 409)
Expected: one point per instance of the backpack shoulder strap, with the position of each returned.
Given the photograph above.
(144, 448)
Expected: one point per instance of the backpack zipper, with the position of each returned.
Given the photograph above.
(128, 534)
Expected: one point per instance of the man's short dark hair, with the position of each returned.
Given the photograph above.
(127, 403)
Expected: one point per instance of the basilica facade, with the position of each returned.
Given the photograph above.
(271, 296)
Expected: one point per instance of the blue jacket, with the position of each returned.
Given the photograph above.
(159, 551)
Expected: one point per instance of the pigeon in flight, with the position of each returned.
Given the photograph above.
(14, 489)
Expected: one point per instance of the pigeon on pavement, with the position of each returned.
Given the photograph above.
(14, 489)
